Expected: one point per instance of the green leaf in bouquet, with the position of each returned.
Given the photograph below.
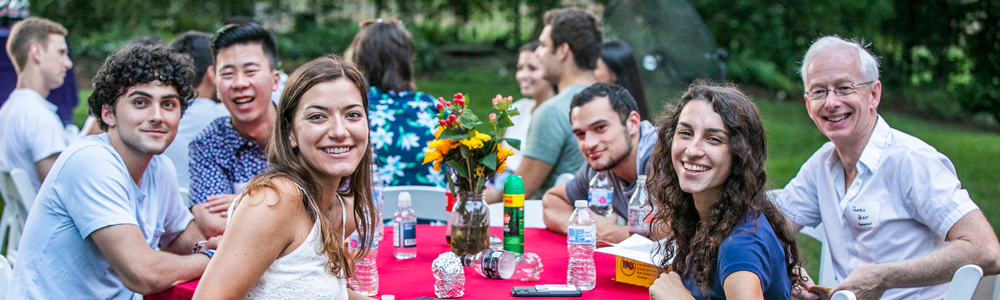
(469, 119)
(465, 151)
(490, 161)
(454, 134)
(459, 168)
(516, 143)
(513, 112)
(504, 122)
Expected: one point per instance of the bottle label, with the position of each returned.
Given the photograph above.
(513, 229)
(352, 242)
(513, 200)
(581, 235)
(601, 197)
(405, 234)
(491, 263)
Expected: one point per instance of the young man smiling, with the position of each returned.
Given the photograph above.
(31, 134)
(110, 199)
(230, 151)
(611, 137)
(569, 47)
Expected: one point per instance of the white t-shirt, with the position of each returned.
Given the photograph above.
(90, 188)
(197, 116)
(901, 205)
(30, 131)
(519, 130)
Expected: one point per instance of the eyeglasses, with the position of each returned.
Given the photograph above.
(379, 20)
(841, 91)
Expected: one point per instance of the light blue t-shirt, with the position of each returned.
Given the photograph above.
(89, 188)
(197, 116)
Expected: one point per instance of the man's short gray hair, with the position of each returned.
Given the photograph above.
(868, 62)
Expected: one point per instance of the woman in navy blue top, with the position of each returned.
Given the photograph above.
(730, 240)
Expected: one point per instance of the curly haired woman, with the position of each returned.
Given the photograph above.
(711, 151)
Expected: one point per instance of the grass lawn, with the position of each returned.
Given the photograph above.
(792, 138)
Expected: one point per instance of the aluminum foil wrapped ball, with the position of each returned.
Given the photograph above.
(449, 276)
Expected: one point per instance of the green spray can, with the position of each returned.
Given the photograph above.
(513, 214)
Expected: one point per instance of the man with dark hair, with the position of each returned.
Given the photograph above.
(203, 109)
(611, 137)
(230, 151)
(111, 199)
(569, 47)
(31, 134)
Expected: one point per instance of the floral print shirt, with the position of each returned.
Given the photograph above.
(401, 125)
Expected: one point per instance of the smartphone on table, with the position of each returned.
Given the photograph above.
(546, 290)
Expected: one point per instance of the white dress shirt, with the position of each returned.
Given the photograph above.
(900, 206)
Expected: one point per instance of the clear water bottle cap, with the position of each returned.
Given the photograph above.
(580, 203)
(405, 200)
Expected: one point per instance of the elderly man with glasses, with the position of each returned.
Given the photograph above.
(897, 220)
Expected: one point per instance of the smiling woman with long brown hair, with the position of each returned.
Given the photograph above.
(730, 240)
(285, 237)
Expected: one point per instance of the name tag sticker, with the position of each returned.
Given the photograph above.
(863, 215)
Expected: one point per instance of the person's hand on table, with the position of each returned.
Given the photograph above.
(865, 282)
(609, 230)
(219, 203)
(669, 287)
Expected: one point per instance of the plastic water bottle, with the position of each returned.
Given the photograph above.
(365, 270)
(377, 188)
(404, 229)
(601, 194)
(503, 264)
(581, 239)
(638, 209)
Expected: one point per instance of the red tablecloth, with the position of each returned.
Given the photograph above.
(412, 278)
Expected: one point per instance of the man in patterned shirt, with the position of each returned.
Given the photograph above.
(230, 151)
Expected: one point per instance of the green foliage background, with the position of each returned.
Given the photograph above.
(939, 58)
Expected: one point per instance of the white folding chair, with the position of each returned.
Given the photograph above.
(18, 195)
(6, 272)
(428, 201)
(71, 131)
(963, 285)
(532, 214)
(826, 276)
(184, 195)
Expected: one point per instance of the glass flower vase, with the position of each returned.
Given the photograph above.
(470, 223)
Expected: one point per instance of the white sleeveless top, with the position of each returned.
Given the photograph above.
(301, 274)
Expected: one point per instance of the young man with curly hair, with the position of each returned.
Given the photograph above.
(569, 47)
(31, 134)
(110, 199)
